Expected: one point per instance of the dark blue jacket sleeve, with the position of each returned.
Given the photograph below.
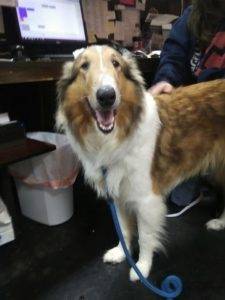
(174, 66)
(211, 74)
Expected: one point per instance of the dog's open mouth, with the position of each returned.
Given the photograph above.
(105, 120)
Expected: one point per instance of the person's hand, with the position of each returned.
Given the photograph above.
(161, 87)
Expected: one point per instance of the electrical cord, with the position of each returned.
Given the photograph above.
(186, 208)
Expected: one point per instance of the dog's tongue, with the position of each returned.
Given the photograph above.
(105, 118)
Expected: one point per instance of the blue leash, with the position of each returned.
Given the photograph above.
(171, 286)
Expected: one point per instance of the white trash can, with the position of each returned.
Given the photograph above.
(45, 182)
(45, 205)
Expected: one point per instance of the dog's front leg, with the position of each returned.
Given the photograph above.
(116, 254)
(150, 221)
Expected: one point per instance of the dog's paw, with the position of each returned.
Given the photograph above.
(215, 224)
(144, 268)
(114, 255)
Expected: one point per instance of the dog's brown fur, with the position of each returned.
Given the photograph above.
(192, 137)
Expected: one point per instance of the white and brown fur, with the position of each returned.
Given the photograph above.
(155, 143)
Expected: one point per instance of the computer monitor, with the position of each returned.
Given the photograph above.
(46, 27)
(59, 20)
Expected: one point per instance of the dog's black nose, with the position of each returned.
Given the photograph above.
(106, 96)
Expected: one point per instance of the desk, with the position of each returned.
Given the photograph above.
(32, 71)
(25, 72)
(24, 100)
(23, 150)
(42, 71)
(28, 92)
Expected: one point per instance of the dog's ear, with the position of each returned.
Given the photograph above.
(77, 52)
(68, 75)
(123, 51)
(67, 70)
(62, 85)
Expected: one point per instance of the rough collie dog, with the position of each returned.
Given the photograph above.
(148, 145)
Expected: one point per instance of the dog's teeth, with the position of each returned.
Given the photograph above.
(103, 127)
(106, 128)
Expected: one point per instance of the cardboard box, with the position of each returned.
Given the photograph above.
(12, 3)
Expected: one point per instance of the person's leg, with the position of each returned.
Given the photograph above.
(186, 192)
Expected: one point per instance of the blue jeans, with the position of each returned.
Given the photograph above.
(186, 192)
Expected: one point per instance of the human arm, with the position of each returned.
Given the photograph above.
(161, 87)
(174, 66)
(211, 74)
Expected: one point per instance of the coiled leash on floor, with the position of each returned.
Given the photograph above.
(171, 286)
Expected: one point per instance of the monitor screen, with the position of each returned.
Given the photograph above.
(50, 20)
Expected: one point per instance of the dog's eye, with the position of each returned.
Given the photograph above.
(115, 63)
(85, 66)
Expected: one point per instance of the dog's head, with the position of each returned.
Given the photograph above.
(101, 90)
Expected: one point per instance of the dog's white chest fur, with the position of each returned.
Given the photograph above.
(128, 163)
